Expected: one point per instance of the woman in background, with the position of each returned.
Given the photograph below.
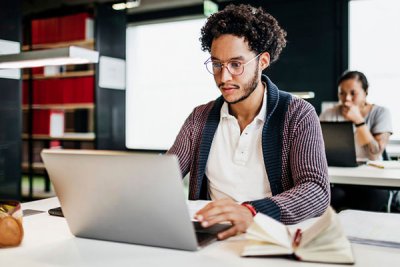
(373, 127)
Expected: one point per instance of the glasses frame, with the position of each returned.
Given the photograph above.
(225, 65)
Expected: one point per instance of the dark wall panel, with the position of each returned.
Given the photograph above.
(313, 57)
(110, 34)
(10, 109)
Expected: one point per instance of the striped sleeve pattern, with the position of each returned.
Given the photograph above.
(305, 180)
(187, 144)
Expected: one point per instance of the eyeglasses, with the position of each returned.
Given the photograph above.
(234, 67)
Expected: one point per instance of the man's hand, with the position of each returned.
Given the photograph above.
(225, 210)
(352, 112)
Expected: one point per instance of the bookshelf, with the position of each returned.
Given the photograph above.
(58, 102)
(68, 74)
(82, 43)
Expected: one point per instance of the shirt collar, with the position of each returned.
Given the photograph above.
(261, 114)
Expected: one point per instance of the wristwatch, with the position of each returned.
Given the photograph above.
(359, 124)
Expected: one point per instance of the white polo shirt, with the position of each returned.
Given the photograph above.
(235, 166)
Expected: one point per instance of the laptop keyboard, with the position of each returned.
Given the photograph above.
(204, 235)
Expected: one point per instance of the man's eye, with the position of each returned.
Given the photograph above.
(216, 65)
(235, 64)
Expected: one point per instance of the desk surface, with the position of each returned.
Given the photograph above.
(48, 242)
(365, 175)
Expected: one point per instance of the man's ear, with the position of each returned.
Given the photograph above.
(264, 60)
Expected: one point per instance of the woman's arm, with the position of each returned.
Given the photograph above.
(375, 144)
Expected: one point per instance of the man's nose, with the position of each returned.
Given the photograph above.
(225, 74)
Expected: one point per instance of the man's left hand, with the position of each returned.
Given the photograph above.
(225, 210)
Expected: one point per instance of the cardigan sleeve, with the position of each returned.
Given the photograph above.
(307, 167)
(182, 145)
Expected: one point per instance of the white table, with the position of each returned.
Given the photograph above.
(365, 175)
(48, 242)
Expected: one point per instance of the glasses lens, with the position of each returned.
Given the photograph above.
(235, 67)
(209, 66)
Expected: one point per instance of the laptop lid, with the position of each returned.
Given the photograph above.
(339, 143)
(125, 197)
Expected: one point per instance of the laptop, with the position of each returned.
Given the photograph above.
(339, 144)
(125, 197)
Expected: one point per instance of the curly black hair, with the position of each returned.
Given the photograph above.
(259, 29)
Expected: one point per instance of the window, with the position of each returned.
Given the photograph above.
(166, 79)
(374, 49)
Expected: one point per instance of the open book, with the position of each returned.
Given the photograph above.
(322, 241)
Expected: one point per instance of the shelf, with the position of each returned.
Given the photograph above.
(66, 137)
(82, 43)
(37, 166)
(60, 106)
(71, 74)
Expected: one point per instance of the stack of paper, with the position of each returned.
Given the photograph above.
(371, 228)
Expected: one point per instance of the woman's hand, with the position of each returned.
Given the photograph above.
(225, 210)
(352, 112)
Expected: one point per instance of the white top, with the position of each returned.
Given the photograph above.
(235, 166)
(48, 242)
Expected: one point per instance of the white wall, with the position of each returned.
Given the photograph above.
(166, 79)
(374, 39)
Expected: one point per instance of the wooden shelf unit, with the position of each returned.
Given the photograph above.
(61, 106)
(65, 137)
(82, 43)
(70, 74)
(37, 166)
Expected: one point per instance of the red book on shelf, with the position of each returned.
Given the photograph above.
(38, 70)
(35, 31)
(41, 122)
(36, 92)
(57, 91)
(67, 91)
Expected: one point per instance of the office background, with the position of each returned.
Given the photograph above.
(316, 54)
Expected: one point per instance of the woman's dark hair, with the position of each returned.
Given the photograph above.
(259, 29)
(359, 76)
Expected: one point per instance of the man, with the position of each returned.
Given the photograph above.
(255, 148)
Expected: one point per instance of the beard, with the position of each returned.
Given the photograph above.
(248, 88)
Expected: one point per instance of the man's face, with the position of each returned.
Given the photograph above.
(228, 48)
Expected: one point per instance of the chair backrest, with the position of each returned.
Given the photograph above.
(385, 155)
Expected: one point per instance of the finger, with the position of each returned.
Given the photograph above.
(216, 203)
(228, 233)
(224, 217)
(214, 209)
(235, 217)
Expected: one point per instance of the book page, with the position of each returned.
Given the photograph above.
(325, 241)
(269, 231)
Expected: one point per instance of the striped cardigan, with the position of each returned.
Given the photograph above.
(293, 151)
